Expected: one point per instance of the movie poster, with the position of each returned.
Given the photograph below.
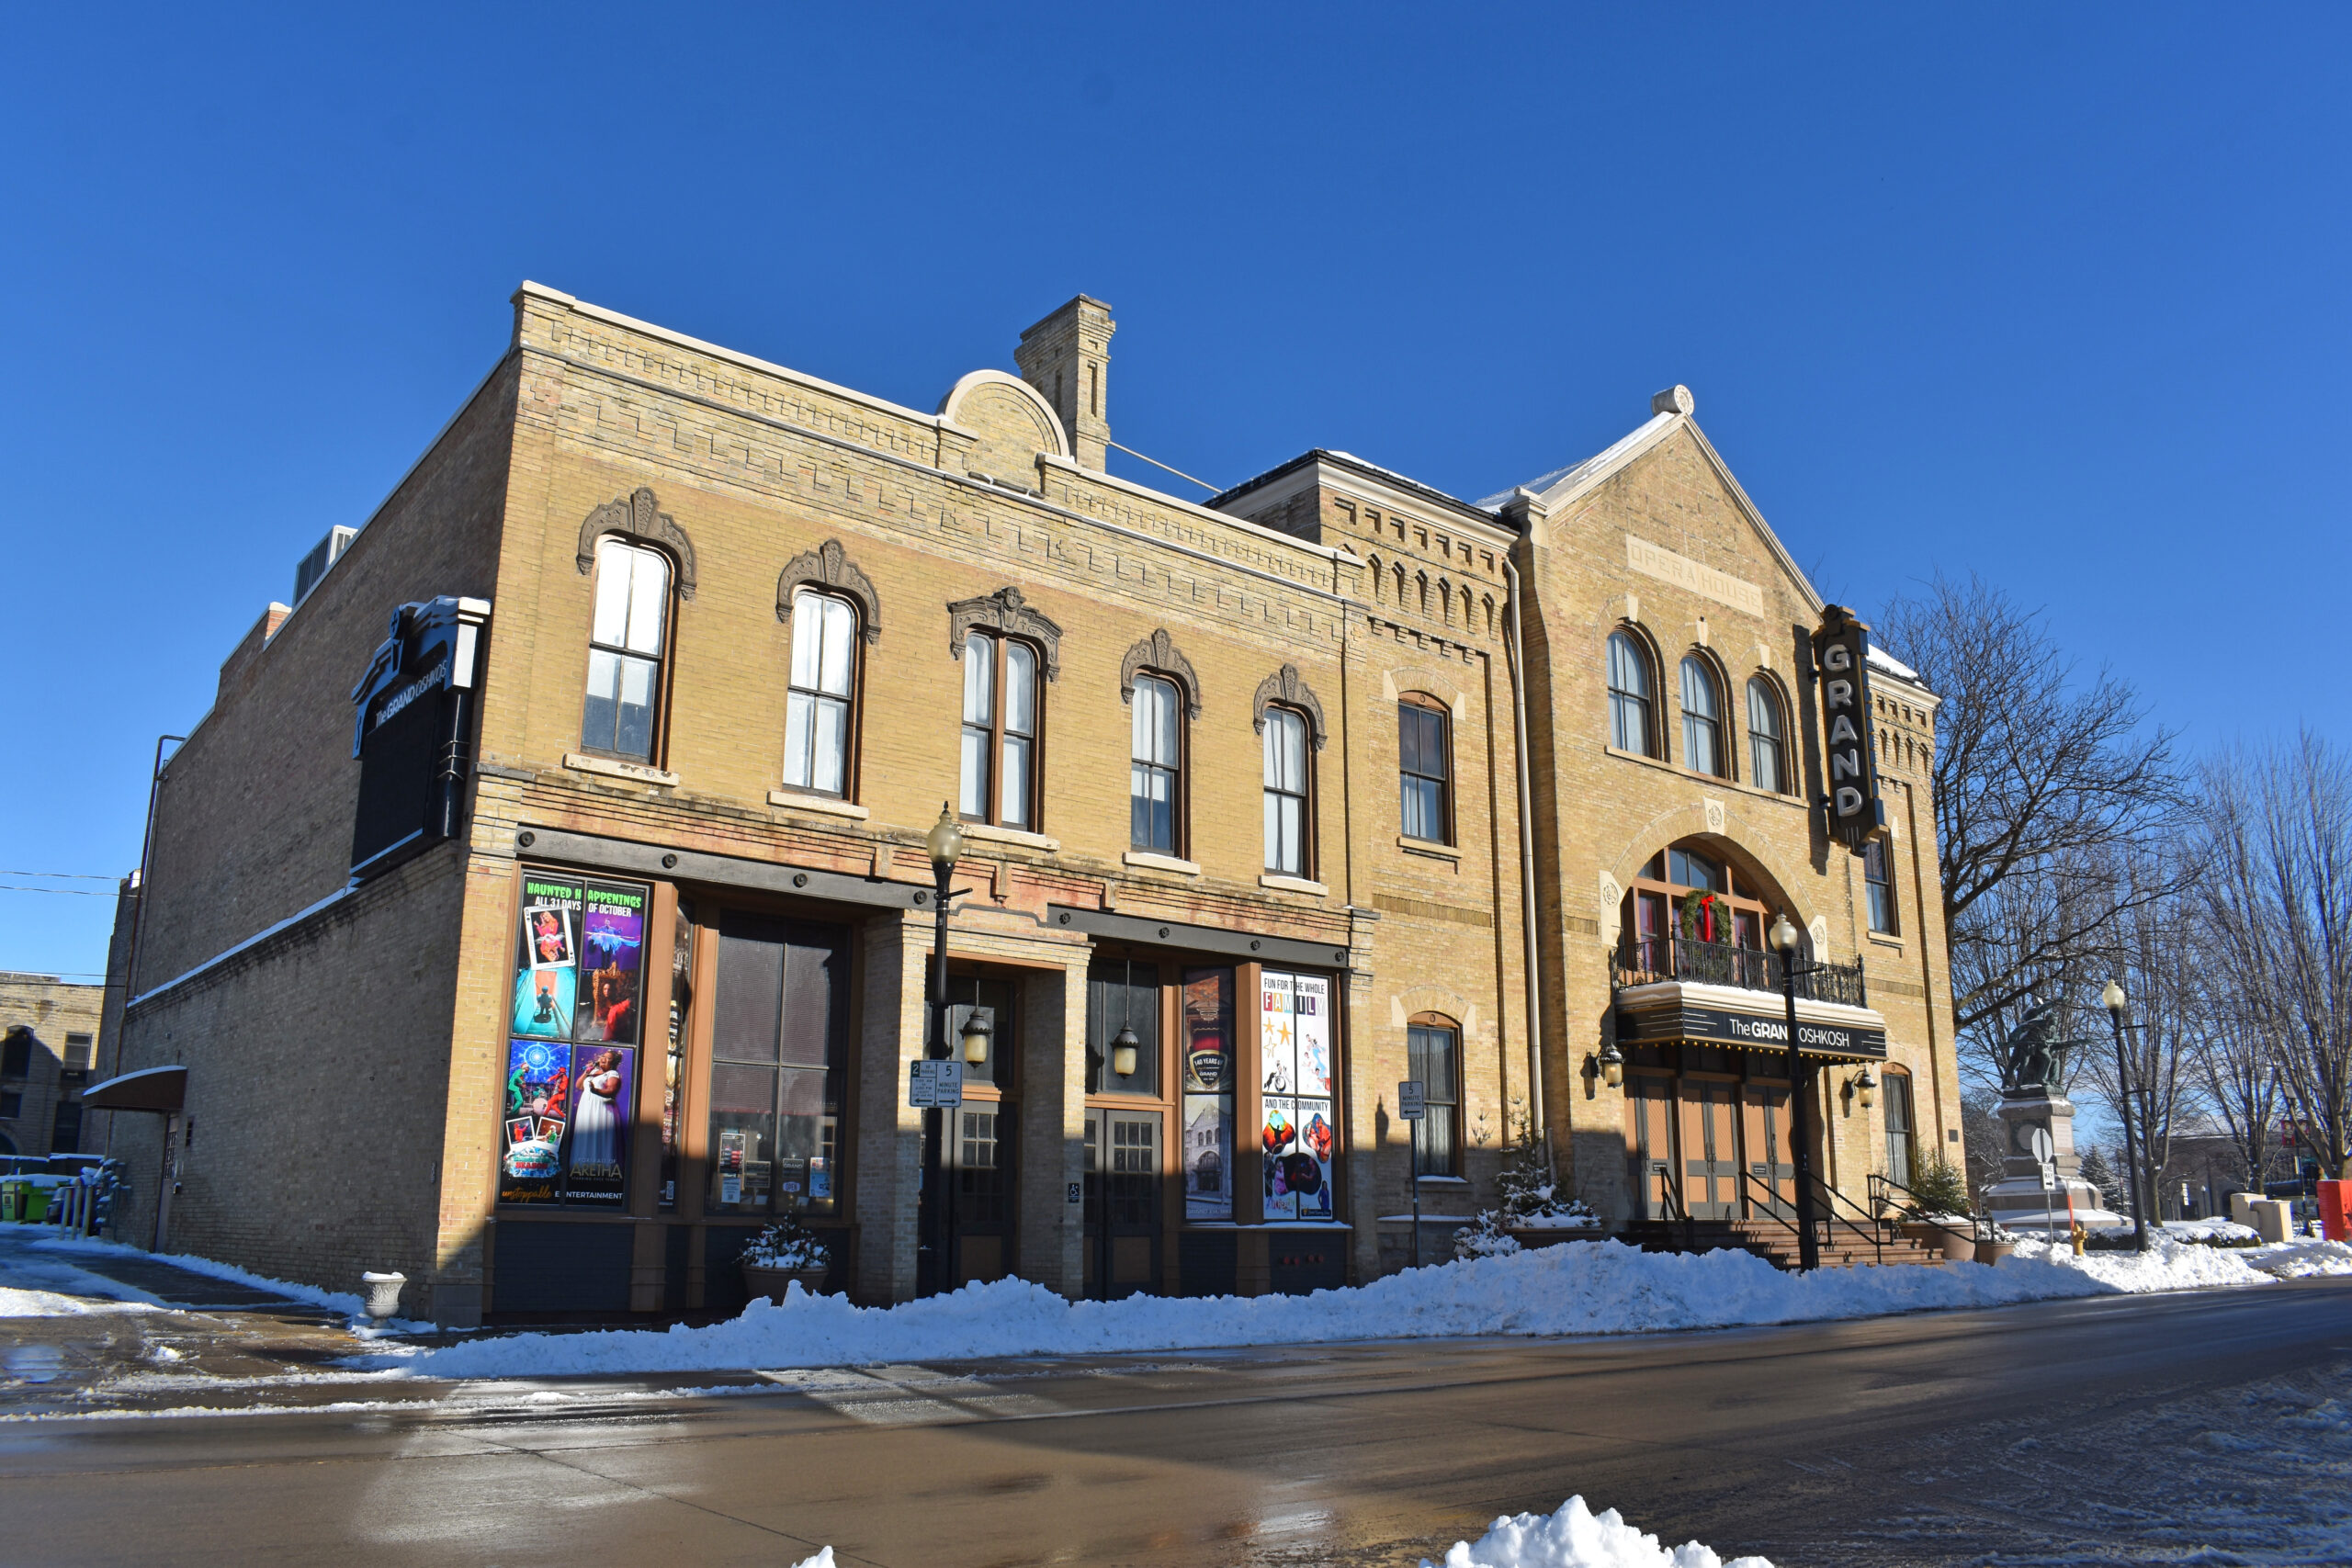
(538, 1086)
(612, 963)
(1311, 1027)
(1306, 1169)
(1277, 1043)
(543, 999)
(1208, 1094)
(595, 1158)
(1277, 1141)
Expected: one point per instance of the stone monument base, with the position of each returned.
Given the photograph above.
(2020, 1204)
(2017, 1202)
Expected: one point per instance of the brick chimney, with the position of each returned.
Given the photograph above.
(1067, 358)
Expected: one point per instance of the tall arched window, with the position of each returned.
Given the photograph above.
(1155, 778)
(1434, 1059)
(1878, 886)
(1767, 756)
(627, 637)
(820, 707)
(1425, 769)
(1703, 725)
(1895, 1085)
(1629, 696)
(999, 775)
(1286, 793)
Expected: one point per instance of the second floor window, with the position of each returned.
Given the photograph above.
(1425, 766)
(1702, 726)
(999, 771)
(818, 709)
(1879, 885)
(626, 639)
(1629, 696)
(1154, 760)
(1286, 793)
(1767, 767)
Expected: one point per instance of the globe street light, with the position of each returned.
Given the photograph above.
(1786, 941)
(945, 842)
(2113, 997)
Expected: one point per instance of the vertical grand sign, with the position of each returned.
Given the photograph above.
(1841, 650)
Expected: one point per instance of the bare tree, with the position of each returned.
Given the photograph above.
(2043, 782)
(2239, 1064)
(2278, 853)
(2148, 950)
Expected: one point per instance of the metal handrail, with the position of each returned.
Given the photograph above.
(1826, 1220)
(1643, 961)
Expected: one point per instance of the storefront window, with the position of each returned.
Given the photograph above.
(673, 1067)
(779, 1057)
(572, 1059)
(1297, 1135)
(1207, 1045)
(1122, 996)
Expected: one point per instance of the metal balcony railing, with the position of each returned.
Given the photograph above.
(1643, 961)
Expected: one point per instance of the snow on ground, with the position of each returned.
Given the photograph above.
(1576, 1536)
(1588, 1288)
(333, 1301)
(15, 1303)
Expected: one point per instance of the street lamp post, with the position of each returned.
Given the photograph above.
(945, 842)
(2113, 997)
(1786, 939)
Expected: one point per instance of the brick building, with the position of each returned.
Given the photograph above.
(48, 1037)
(585, 922)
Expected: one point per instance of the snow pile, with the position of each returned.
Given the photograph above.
(1576, 1536)
(333, 1301)
(1601, 1287)
(824, 1558)
(17, 1303)
(2300, 1259)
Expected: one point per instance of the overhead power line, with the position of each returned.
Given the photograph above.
(80, 892)
(63, 875)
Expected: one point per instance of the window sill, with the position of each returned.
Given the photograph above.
(1429, 847)
(636, 772)
(1444, 1180)
(1282, 884)
(1883, 940)
(825, 803)
(1145, 860)
(1711, 781)
(986, 833)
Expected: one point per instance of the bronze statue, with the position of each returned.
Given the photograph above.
(2030, 1059)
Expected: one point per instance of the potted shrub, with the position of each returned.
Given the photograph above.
(782, 1253)
(1993, 1244)
(1939, 1212)
(1531, 1212)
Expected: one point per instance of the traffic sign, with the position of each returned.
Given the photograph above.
(2049, 1177)
(1410, 1101)
(2043, 1148)
(932, 1085)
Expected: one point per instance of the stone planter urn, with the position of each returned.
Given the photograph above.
(770, 1283)
(1992, 1252)
(383, 1293)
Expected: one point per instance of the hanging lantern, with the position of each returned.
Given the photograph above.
(977, 1026)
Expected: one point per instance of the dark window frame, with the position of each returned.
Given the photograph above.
(1304, 795)
(1765, 693)
(1416, 711)
(658, 726)
(1715, 727)
(1447, 1098)
(853, 703)
(997, 644)
(1638, 655)
(1878, 891)
(1178, 774)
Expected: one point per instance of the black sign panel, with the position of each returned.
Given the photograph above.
(1841, 649)
(1751, 1030)
(410, 733)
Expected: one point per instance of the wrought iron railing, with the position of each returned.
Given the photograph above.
(1833, 1214)
(1643, 961)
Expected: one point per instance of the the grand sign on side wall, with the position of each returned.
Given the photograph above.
(1841, 650)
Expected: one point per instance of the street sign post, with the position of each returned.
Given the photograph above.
(1412, 1104)
(934, 1084)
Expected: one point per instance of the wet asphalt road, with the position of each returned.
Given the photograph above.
(2026, 1433)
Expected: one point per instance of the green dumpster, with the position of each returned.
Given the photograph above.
(25, 1199)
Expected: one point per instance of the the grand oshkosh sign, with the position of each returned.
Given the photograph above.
(1724, 1026)
(1841, 649)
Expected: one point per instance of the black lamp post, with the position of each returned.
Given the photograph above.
(1786, 941)
(2113, 997)
(945, 842)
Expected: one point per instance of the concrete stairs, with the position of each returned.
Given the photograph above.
(1774, 1242)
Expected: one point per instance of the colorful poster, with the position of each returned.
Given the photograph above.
(596, 1158)
(1208, 1094)
(538, 1084)
(1311, 1025)
(551, 921)
(1208, 1156)
(1277, 1041)
(1208, 1030)
(1277, 1137)
(543, 1000)
(612, 963)
(1306, 1169)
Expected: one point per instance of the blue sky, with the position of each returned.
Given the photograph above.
(2054, 294)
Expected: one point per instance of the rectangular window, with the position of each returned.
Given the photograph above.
(1898, 1127)
(1879, 885)
(1121, 996)
(12, 1105)
(1206, 1048)
(1000, 740)
(1153, 778)
(572, 1037)
(65, 1133)
(17, 1054)
(1425, 771)
(1286, 793)
(78, 1050)
(779, 1050)
(673, 1064)
(626, 642)
(1433, 1058)
(817, 707)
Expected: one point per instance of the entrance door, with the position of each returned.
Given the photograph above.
(1765, 1111)
(1122, 1203)
(1710, 1157)
(1649, 1108)
(982, 1137)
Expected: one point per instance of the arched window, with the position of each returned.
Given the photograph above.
(1425, 767)
(820, 707)
(1691, 916)
(1879, 884)
(1001, 720)
(1767, 756)
(1703, 725)
(1286, 793)
(628, 639)
(1895, 1084)
(1629, 696)
(1434, 1059)
(1154, 777)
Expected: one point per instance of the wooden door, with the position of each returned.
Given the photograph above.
(1649, 1144)
(1765, 1118)
(982, 1137)
(1122, 1202)
(1710, 1149)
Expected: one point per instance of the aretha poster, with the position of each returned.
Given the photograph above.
(596, 1155)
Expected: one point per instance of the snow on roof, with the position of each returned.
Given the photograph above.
(1881, 659)
(1544, 483)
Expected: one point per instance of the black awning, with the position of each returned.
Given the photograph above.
(162, 1089)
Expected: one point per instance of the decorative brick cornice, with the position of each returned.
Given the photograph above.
(639, 516)
(1005, 610)
(828, 567)
(1159, 652)
(1287, 687)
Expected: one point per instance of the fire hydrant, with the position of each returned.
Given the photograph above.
(2080, 1235)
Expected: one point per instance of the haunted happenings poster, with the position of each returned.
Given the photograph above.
(612, 963)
